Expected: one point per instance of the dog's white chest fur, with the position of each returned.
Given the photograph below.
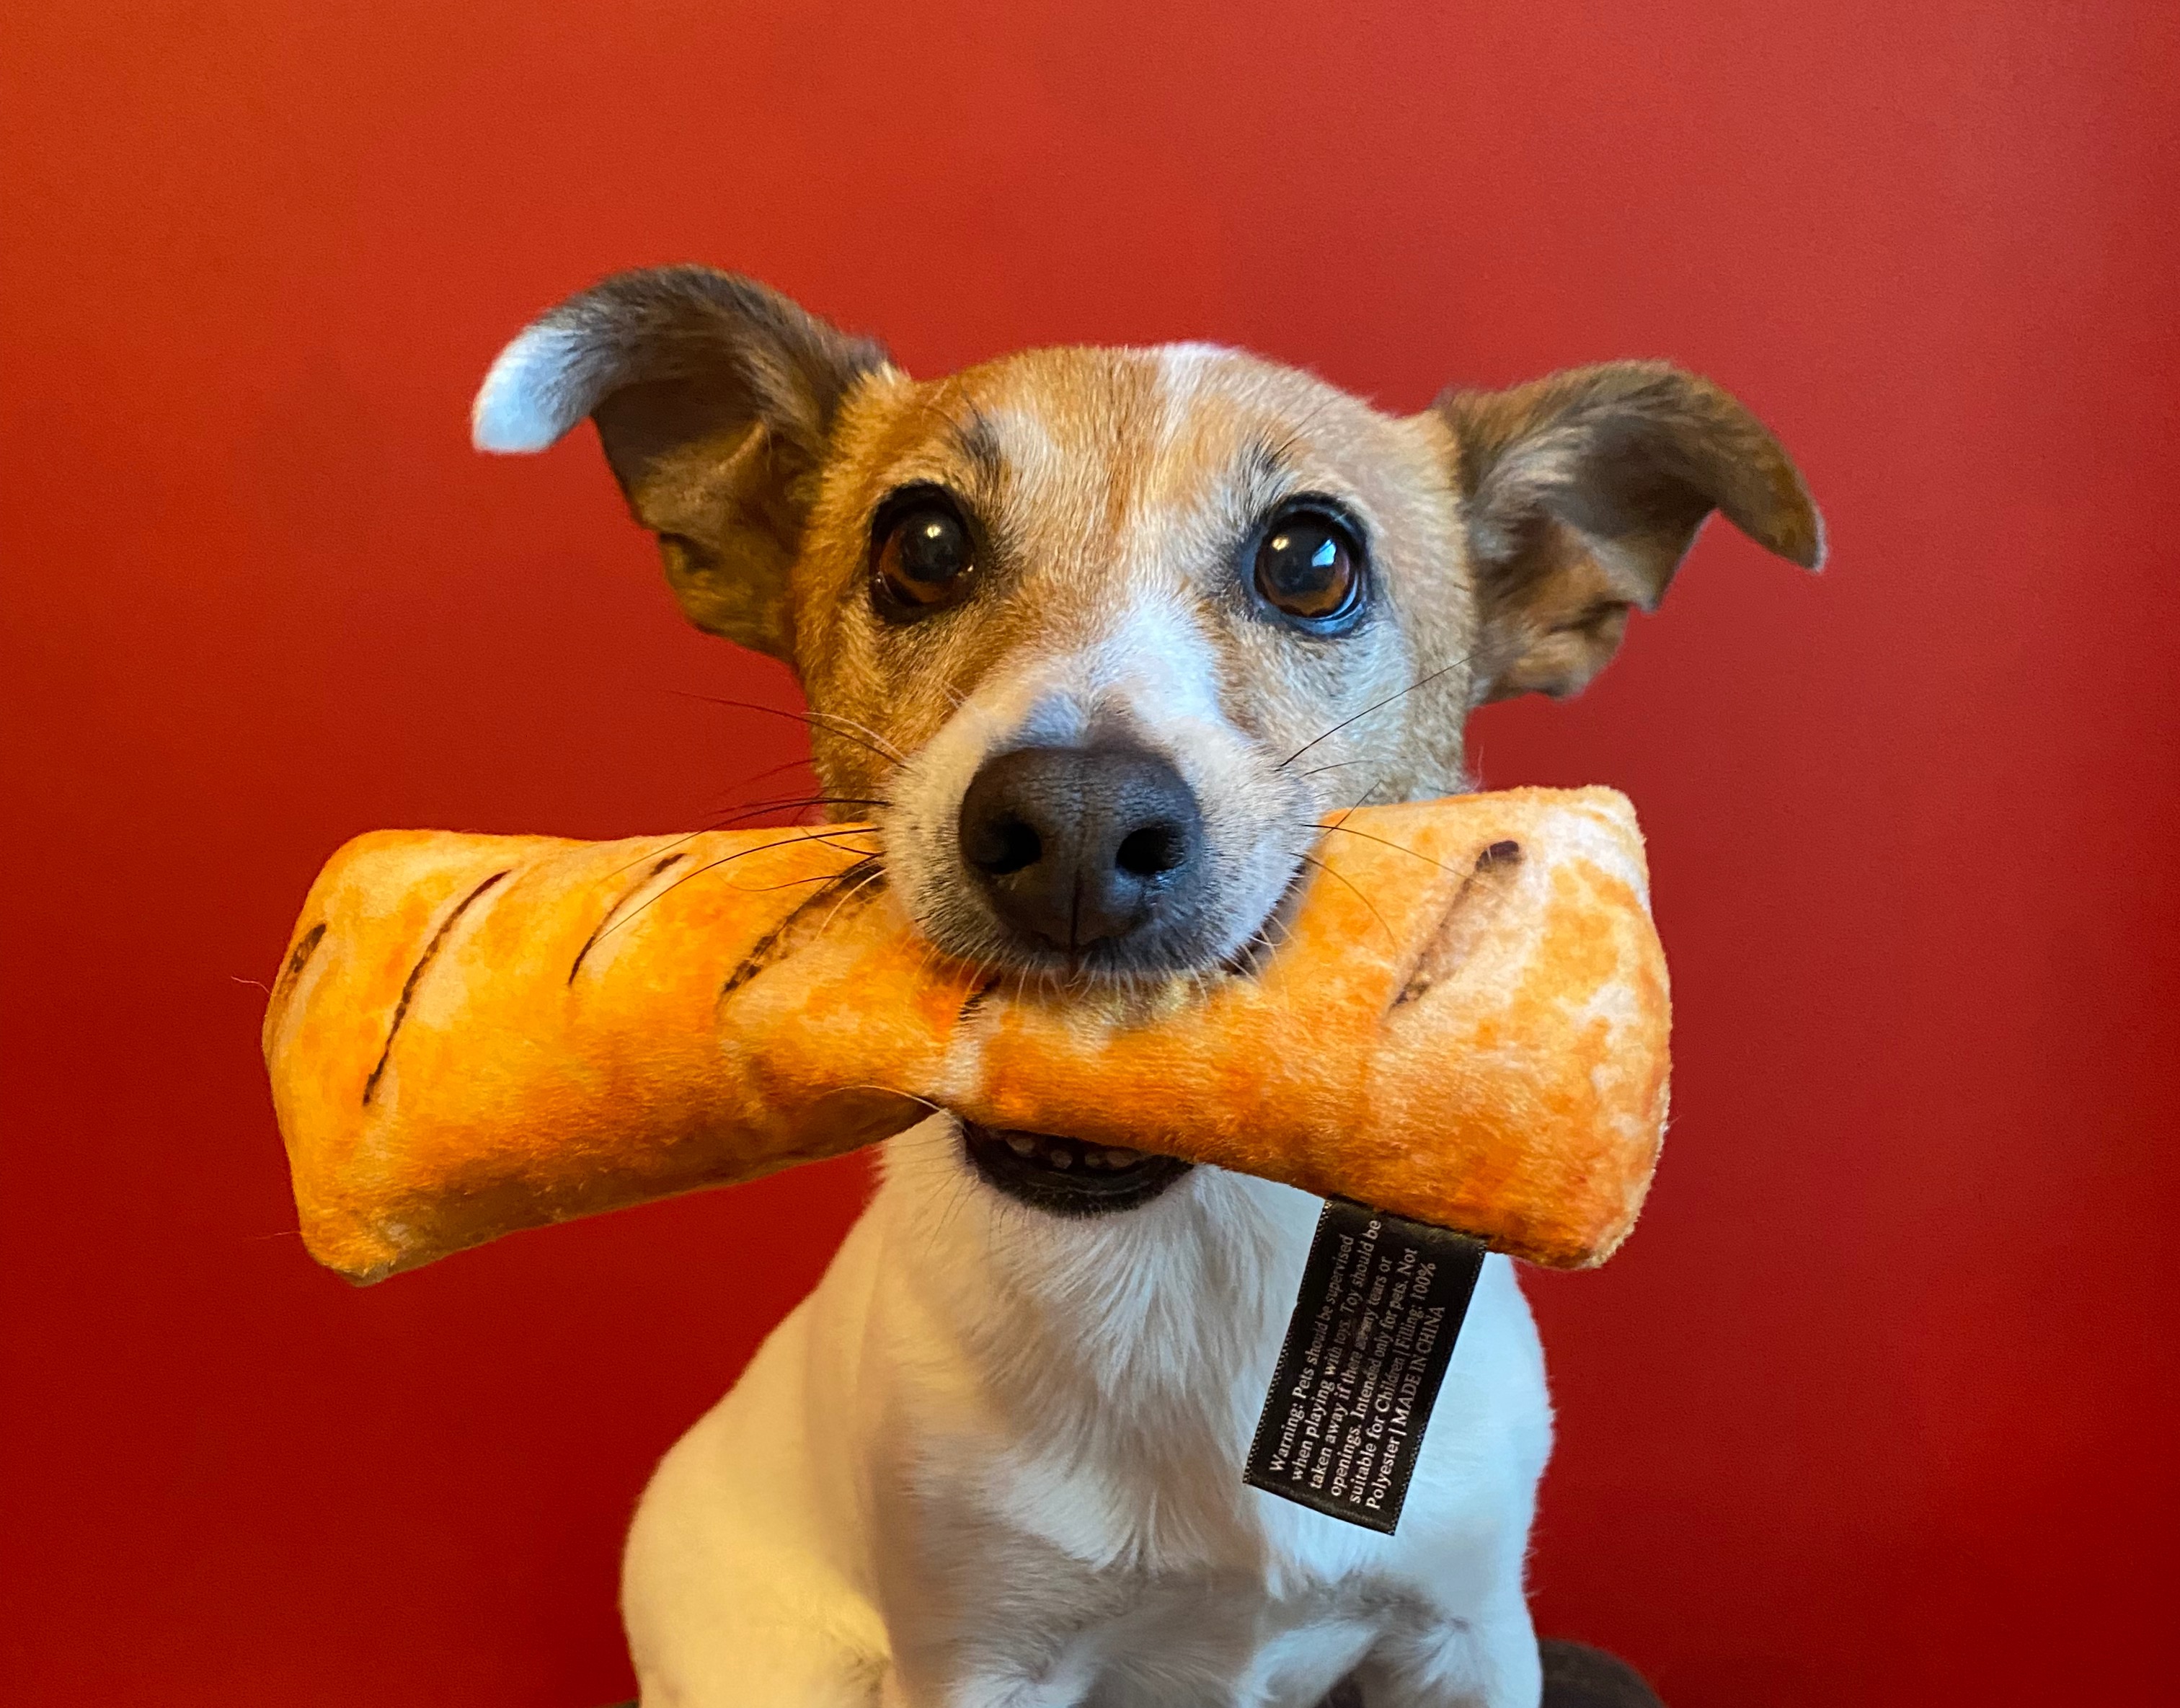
(995, 1459)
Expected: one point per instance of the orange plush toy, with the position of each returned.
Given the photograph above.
(1465, 1023)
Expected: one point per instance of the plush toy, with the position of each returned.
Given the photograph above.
(1462, 1019)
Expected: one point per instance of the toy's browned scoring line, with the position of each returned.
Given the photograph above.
(859, 892)
(415, 973)
(1498, 854)
(817, 836)
(302, 953)
(598, 930)
(761, 955)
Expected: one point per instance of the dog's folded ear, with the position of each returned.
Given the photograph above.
(1581, 494)
(714, 398)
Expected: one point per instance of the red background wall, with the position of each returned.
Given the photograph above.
(1878, 1407)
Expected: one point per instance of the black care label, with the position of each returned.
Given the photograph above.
(1382, 1299)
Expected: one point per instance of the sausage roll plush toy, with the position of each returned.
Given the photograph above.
(1462, 1020)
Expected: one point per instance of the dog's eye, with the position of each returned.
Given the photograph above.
(1309, 566)
(925, 558)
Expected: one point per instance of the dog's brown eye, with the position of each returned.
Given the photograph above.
(1310, 567)
(927, 559)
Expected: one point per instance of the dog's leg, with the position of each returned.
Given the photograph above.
(728, 1598)
(1487, 1660)
(742, 1583)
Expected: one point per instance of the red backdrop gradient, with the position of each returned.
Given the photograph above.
(1876, 1409)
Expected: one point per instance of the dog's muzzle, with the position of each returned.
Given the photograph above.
(1066, 1176)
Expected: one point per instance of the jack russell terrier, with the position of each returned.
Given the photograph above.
(1096, 638)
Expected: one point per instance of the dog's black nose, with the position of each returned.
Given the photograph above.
(1075, 846)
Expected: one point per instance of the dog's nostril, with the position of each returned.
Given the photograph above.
(1152, 851)
(1006, 847)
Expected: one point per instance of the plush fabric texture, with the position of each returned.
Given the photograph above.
(1464, 1022)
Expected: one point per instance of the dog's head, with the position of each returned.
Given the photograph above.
(1099, 635)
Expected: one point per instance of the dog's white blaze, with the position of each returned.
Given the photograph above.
(1159, 665)
(1182, 369)
(1035, 458)
(1151, 674)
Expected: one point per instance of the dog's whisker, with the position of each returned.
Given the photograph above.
(794, 882)
(891, 1091)
(787, 803)
(1330, 871)
(868, 738)
(689, 836)
(810, 836)
(875, 875)
(821, 798)
(737, 795)
(799, 761)
(1383, 842)
(887, 746)
(1357, 807)
(1378, 706)
(653, 851)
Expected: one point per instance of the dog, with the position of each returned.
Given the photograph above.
(1098, 637)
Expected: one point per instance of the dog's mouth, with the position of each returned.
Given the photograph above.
(1067, 1177)
(1145, 961)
